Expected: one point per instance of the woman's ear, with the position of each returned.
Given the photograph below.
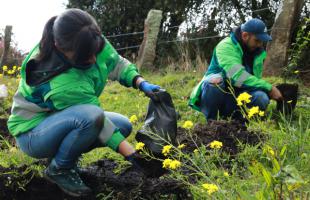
(57, 47)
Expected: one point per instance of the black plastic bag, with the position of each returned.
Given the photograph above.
(290, 94)
(161, 119)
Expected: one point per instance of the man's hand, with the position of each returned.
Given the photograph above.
(275, 94)
(216, 80)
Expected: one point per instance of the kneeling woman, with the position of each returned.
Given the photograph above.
(56, 111)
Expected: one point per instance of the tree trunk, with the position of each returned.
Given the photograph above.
(7, 41)
(285, 22)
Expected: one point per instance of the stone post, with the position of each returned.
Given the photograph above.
(7, 41)
(147, 50)
(285, 22)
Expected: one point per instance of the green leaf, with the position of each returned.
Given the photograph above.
(266, 174)
(292, 175)
(283, 151)
(276, 166)
(267, 177)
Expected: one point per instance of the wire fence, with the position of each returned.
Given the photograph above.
(188, 39)
(125, 34)
(171, 41)
(178, 40)
(130, 47)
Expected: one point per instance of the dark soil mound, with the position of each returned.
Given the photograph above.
(21, 183)
(231, 134)
(130, 184)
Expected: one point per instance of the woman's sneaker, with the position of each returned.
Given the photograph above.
(67, 180)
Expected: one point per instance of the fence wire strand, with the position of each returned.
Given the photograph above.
(178, 40)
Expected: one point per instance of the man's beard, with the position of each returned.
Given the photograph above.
(248, 48)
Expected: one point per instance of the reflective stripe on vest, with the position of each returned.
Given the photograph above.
(234, 69)
(25, 109)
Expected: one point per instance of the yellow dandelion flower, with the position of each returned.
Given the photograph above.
(261, 113)
(270, 151)
(254, 110)
(181, 146)
(1, 75)
(216, 144)
(139, 146)
(211, 188)
(166, 163)
(290, 101)
(19, 68)
(243, 98)
(226, 174)
(296, 71)
(5, 68)
(133, 119)
(14, 67)
(175, 164)
(188, 124)
(166, 150)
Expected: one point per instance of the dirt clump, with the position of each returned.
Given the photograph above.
(230, 133)
(131, 184)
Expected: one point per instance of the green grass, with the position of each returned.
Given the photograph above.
(291, 133)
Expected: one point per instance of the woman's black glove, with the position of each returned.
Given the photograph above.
(151, 168)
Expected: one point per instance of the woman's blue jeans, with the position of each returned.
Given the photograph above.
(66, 134)
(216, 101)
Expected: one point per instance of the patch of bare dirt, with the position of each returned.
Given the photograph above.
(130, 184)
(231, 134)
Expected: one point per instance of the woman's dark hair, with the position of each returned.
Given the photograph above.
(74, 30)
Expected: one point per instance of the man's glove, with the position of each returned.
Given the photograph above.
(148, 88)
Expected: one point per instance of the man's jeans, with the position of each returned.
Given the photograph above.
(65, 135)
(216, 100)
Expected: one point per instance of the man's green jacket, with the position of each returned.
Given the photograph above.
(227, 60)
